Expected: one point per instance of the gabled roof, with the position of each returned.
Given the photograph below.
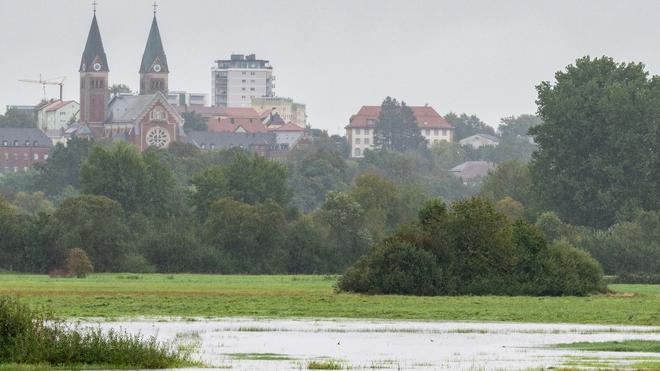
(224, 125)
(34, 136)
(57, 105)
(93, 50)
(472, 169)
(154, 51)
(129, 108)
(426, 117)
(291, 127)
(485, 136)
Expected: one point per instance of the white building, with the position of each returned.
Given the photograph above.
(360, 130)
(57, 115)
(184, 98)
(236, 81)
(480, 140)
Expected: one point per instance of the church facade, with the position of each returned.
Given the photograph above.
(144, 120)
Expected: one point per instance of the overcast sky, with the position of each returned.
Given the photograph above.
(481, 57)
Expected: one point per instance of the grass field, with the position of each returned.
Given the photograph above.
(186, 295)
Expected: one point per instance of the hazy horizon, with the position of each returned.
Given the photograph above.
(477, 57)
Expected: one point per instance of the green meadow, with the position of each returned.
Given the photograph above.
(191, 295)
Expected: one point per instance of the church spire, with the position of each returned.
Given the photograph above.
(153, 52)
(93, 58)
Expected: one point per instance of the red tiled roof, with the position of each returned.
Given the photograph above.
(426, 117)
(224, 125)
(287, 127)
(232, 112)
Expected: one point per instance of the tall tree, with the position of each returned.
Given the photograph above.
(63, 167)
(117, 89)
(599, 143)
(193, 121)
(518, 126)
(397, 128)
(14, 118)
(465, 126)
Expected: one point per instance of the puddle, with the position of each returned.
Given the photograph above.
(263, 344)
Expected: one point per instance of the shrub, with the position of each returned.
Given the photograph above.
(31, 337)
(472, 249)
(78, 263)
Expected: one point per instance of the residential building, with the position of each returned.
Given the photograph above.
(480, 140)
(360, 130)
(57, 115)
(144, 120)
(288, 110)
(471, 172)
(184, 98)
(260, 143)
(236, 81)
(20, 148)
(288, 134)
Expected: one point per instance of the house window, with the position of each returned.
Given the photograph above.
(25, 169)
(252, 73)
(357, 140)
(6, 156)
(435, 141)
(15, 143)
(16, 169)
(15, 156)
(36, 156)
(428, 132)
(45, 157)
(366, 140)
(435, 132)
(358, 153)
(27, 143)
(26, 156)
(251, 89)
(357, 131)
(35, 143)
(444, 132)
(203, 146)
(212, 146)
(4, 143)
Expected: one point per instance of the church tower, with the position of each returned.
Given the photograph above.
(93, 70)
(154, 71)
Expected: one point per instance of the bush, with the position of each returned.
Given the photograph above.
(471, 249)
(78, 263)
(31, 337)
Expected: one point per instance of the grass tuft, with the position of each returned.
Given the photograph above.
(324, 365)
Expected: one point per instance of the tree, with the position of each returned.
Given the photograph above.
(465, 126)
(78, 263)
(14, 118)
(397, 128)
(62, 169)
(193, 121)
(95, 222)
(117, 89)
(139, 183)
(518, 126)
(11, 237)
(253, 179)
(33, 203)
(598, 144)
(510, 179)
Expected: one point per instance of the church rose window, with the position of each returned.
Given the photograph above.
(158, 137)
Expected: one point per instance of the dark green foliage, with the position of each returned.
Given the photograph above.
(193, 121)
(598, 141)
(465, 126)
(397, 128)
(471, 249)
(95, 222)
(248, 238)
(63, 167)
(11, 237)
(14, 118)
(26, 338)
(518, 126)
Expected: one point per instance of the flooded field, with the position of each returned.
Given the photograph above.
(261, 344)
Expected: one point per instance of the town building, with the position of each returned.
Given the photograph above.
(147, 119)
(289, 134)
(288, 110)
(264, 144)
(236, 81)
(184, 98)
(480, 140)
(471, 172)
(360, 130)
(20, 148)
(55, 117)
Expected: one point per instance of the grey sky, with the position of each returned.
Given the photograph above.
(482, 57)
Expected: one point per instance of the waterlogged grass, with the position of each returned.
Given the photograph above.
(649, 346)
(324, 365)
(260, 356)
(187, 295)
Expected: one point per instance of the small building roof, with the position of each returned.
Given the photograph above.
(33, 136)
(54, 106)
(485, 136)
(290, 127)
(229, 140)
(472, 169)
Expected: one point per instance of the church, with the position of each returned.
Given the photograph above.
(143, 120)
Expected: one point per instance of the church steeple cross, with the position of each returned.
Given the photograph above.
(155, 6)
(94, 4)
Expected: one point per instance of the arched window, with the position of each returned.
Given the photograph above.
(4, 143)
(27, 143)
(212, 146)
(16, 143)
(358, 153)
(158, 113)
(35, 143)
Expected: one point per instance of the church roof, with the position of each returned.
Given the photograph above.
(154, 51)
(94, 50)
(129, 108)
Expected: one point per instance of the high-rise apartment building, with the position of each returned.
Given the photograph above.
(239, 79)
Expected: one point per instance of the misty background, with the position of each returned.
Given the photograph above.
(480, 57)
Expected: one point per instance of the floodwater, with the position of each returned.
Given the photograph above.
(264, 344)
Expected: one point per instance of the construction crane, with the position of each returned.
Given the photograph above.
(54, 81)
